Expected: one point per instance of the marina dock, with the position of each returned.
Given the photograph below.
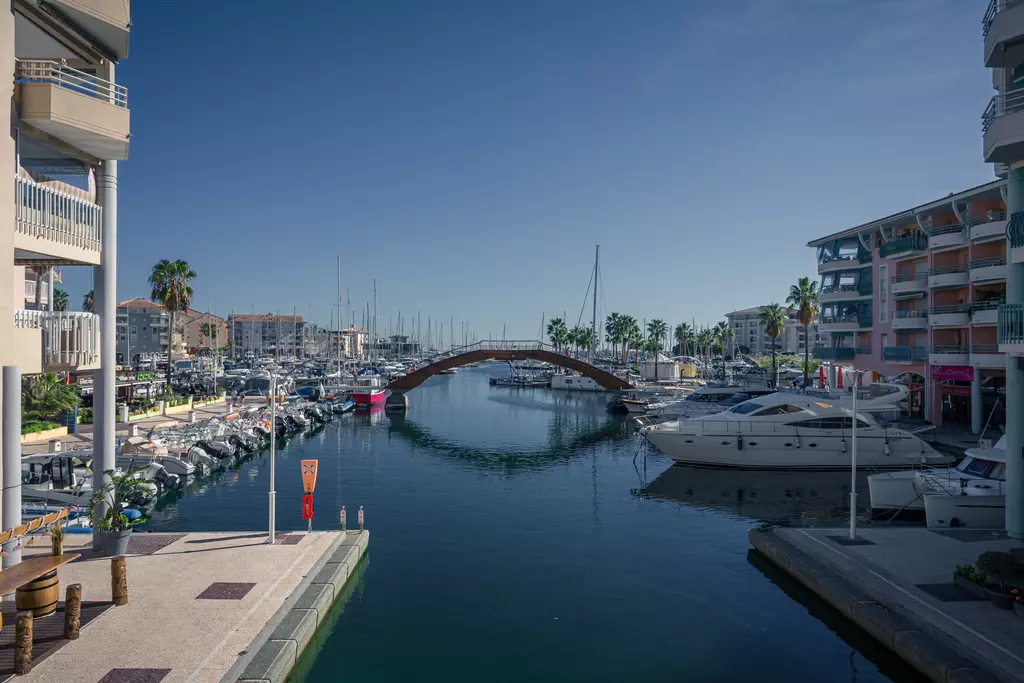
(897, 585)
(202, 607)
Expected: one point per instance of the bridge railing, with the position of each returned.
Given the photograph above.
(490, 345)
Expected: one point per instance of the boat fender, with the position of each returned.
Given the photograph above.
(739, 442)
(844, 445)
(888, 451)
(131, 513)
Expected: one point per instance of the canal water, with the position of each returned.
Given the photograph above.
(522, 534)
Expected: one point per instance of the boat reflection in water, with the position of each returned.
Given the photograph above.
(779, 497)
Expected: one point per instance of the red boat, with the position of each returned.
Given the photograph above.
(369, 390)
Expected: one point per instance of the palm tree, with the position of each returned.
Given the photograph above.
(631, 337)
(724, 333)
(60, 300)
(613, 331)
(683, 335)
(576, 337)
(169, 281)
(557, 332)
(703, 342)
(588, 340)
(47, 395)
(88, 302)
(656, 331)
(773, 318)
(804, 297)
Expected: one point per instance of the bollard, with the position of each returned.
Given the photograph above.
(133, 430)
(360, 517)
(56, 446)
(343, 518)
(72, 611)
(23, 643)
(118, 581)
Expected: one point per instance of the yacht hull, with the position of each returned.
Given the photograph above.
(973, 512)
(368, 398)
(892, 491)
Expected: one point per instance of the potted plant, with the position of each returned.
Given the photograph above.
(111, 532)
(971, 579)
(57, 538)
(1007, 570)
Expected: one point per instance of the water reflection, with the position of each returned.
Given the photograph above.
(780, 497)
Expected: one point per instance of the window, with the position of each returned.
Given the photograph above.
(831, 423)
(975, 467)
(135, 330)
(779, 410)
(747, 407)
(883, 293)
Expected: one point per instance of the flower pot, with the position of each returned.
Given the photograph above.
(1000, 599)
(969, 586)
(111, 543)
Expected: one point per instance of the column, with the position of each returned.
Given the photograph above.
(11, 455)
(928, 395)
(977, 411)
(1014, 377)
(49, 287)
(105, 280)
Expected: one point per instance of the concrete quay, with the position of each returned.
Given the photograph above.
(203, 607)
(897, 585)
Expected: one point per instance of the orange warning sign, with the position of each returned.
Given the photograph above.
(308, 475)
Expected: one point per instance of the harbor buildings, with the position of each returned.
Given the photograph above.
(1003, 145)
(142, 329)
(63, 135)
(201, 330)
(349, 342)
(259, 334)
(750, 337)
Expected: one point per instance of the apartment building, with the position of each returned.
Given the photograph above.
(142, 329)
(750, 337)
(65, 131)
(1003, 146)
(266, 335)
(201, 330)
(43, 281)
(915, 296)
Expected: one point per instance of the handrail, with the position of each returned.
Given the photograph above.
(1001, 104)
(944, 229)
(990, 14)
(949, 308)
(1010, 328)
(70, 338)
(904, 353)
(42, 211)
(829, 289)
(952, 268)
(900, 245)
(984, 348)
(986, 305)
(987, 262)
(62, 75)
(991, 216)
(863, 350)
(911, 313)
(909, 277)
(950, 349)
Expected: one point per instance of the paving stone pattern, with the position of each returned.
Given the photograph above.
(48, 636)
(135, 676)
(225, 590)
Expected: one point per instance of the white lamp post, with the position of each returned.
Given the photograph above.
(853, 458)
(273, 439)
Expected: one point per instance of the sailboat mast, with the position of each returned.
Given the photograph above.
(374, 321)
(593, 319)
(341, 318)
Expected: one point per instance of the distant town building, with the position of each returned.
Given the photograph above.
(142, 328)
(194, 334)
(750, 337)
(395, 346)
(266, 335)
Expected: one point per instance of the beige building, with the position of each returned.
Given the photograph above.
(749, 333)
(64, 116)
(266, 335)
(195, 333)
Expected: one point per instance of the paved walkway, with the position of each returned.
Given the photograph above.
(196, 601)
(910, 572)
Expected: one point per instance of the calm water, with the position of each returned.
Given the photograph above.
(513, 538)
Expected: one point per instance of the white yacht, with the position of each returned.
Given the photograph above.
(796, 431)
(138, 451)
(703, 401)
(972, 494)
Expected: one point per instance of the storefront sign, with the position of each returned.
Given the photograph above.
(952, 373)
(143, 376)
(955, 391)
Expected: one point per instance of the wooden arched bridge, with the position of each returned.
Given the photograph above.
(507, 351)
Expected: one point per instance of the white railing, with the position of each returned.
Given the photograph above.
(63, 76)
(70, 339)
(41, 211)
(1002, 104)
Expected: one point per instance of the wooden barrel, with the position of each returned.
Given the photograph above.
(40, 595)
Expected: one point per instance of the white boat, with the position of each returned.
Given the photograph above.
(706, 400)
(138, 451)
(575, 383)
(972, 494)
(795, 431)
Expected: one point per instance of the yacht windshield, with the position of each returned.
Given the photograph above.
(975, 467)
(748, 407)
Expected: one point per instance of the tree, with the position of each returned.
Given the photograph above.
(613, 331)
(631, 337)
(804, 297)
(88, 303)
(169, 281)
(656, 331)
(577, 335)
(723, 333)
(703, 342)
(557, 332)
(773, 318)
(47, 395)
(60, 300)
(683, 335)
(588, 340)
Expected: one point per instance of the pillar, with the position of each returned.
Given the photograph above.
(928, 395)
(105, 280)
(49, 287)
(8, 167)
(1014, 377)
(977, 411)
(11, 455)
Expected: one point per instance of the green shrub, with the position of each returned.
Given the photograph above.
(35, 427)
(1004, 567)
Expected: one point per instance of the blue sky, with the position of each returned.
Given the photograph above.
(469, 155)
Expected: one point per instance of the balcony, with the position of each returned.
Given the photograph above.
(1010, 330)
(948, 277)
(911, 319)
(69, 341)
(904, 247)
(987, 356)
(833, 352)
(1002, 124)
(1002, 25)
(52, 226)
(862, 350)
(949, 355)
(955, 315)
(990, 225)
(845, 292)
(947, 237)
(1015, 234)
(909, 283)
(985, 312)
(904, 354)
(838, 323)
(831, 264)
(107, 21)
(86, 112)
(988, 269)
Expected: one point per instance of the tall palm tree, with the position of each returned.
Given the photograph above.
(702, 342)
(577, 336)
(588, 340)
(773, 318)
(723, 333)
(557, 332)
(683, 335)
(631, 337)
(60, 299)
(169, 281)
(89, 302)
(656, 331)
(613, 331)
(803, 296)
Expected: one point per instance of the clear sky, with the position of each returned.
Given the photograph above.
(469, 155)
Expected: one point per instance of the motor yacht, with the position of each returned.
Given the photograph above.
(137, 451)
(796, 431)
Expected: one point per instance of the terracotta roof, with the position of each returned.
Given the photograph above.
(192, 314)
(138, 303)
(259, 317)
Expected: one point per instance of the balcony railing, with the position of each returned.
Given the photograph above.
(41, 211)
(987, 262)
(904, 353)
(1009, 102)
(1015, 229)
(1010, 327)
(986, 305)
(903, 245)
(70, 339)
(862, 350)
(829, 289)
(952, 268)
(993, 216)
(909, 277)
(950, 349)
(910, 313)
(63, 76)
(833, 352)
(944, 230)
(984, 348)
(949, 308)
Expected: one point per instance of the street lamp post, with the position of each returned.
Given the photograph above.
(273, 439)
(853, 458)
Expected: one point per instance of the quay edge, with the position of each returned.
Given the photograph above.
(279, 645)
(935, 655)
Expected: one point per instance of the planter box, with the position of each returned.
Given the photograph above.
(175, 410)
(143, 416)
(44, 435)
(970, 586)
(211, 402)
